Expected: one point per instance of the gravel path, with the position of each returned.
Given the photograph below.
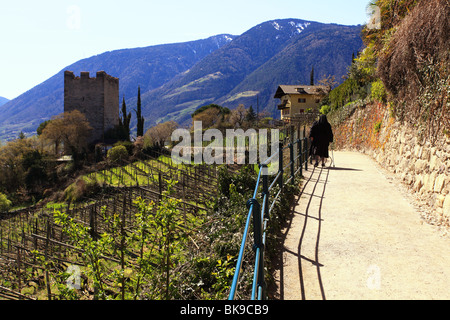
(354, 235)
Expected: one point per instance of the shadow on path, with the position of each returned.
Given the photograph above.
(352, 234)
(343, 169)
(318, 180)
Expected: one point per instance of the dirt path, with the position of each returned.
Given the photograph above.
(353, 235)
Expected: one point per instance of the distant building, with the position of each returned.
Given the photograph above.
(299, 99)
(97, 98)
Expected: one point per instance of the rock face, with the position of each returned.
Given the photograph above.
(422, 166)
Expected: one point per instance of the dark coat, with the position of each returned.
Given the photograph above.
(322, 137)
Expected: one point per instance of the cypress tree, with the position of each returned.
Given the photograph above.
(124, 122)
(251, 115)
(140, 118)
(312, 77)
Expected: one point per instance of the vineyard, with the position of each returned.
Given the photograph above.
(134, 240)
(148, 229)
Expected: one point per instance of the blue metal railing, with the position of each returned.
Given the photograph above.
(259, 212)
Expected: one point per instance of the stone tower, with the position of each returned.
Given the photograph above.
(97, 98)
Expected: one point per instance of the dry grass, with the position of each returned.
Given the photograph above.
(414, 65)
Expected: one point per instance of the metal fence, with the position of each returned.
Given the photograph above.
(259, 210)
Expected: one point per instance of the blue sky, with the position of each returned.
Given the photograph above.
(39, 38)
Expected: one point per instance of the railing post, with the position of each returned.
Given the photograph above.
(258, 243)
(291, 155)
(265, 213)
(300, 153)
(257, 223)
(265, 191)
(306, 148)
(280, 162)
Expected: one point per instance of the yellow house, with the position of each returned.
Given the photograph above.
(298, 99)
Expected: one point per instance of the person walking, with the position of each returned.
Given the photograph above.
(321, 135)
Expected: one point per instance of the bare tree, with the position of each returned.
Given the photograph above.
(70, 128)
(208, 117)
(160, 133)
(238, 115)
(329, 82)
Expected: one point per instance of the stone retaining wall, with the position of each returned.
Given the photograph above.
(423, 167)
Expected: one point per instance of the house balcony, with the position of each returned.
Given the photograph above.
(283, 106)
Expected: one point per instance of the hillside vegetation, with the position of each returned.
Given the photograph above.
(405, 65)
(414, 64)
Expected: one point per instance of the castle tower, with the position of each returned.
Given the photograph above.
(97, 98)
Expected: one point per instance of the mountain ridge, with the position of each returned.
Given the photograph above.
(135, 67)
(3, 100)
(234, 63)
(302, 46)
(176, 79)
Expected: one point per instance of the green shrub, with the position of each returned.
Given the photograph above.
(127, 144)
(350, 90)
(377, 127)
(325, 109)
(5, 204)
(81, 189)
(378, 92)
(118, 154)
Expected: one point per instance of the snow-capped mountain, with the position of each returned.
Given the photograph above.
(176, 79)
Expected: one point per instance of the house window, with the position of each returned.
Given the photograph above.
(317, 100)
(302, 100)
